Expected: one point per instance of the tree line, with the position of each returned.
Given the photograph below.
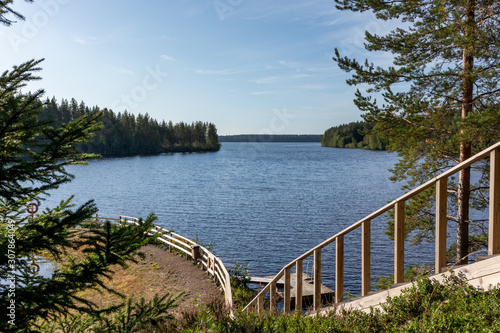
(352, 135)
(124, 134)
(270, 138)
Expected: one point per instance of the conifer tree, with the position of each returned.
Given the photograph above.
(441, 97)
(33, 157)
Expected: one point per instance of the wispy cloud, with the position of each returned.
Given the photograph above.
(85, 40)
(299, 76)
(314, 86)
(265, 80)
(290, 64)
(258, 93)
(119, 70)
(167, 58)
(218, 72)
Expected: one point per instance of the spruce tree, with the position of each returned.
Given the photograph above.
(440, 98)
(34, 155)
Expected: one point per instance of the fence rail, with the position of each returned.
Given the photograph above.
(212, 264)
(398, 207)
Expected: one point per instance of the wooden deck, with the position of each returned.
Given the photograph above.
(327, 295)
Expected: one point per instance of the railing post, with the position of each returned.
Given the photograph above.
(195, 252)
(339, 269)
(399, 241)
(298, 285)
(272, 297)
(287, 301)
(317, 280)
(260, 303)
(494, 225)
(441, 223)
(365, 257)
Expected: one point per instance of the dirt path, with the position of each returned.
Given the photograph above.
(160, 272)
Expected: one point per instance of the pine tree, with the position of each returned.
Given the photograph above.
(448, 53)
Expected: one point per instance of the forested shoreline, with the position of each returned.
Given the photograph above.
(270, 138)
(125, 134)
(352, 135)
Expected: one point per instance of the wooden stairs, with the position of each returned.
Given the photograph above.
(482, 273)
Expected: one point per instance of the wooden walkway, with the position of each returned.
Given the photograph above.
(327, 295)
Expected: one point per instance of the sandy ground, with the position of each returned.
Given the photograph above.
(160, 272)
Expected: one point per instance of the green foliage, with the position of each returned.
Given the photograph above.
(142, 316)
(271, 138)
(352, 135)
(439, 101)
(125, 134)
(240, 276)
(33, 157)
(426, 306)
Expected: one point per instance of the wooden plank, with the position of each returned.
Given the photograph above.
(399, 241)
(298, 284)
(260, 303)
(494, 223)
(265, 280)
(272, 297)
(365, 257)
(441, 223)
(317, 280)
(287, 301)
(339, 269)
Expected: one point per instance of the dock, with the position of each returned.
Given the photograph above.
(327, 295)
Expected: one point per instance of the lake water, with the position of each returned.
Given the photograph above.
(260, 203)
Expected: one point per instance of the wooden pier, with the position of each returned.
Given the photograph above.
(327, 295)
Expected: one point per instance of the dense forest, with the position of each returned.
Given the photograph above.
(270, 138)
(352, 135)
(126, 134)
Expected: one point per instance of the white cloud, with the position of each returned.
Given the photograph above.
(258, 93)
(122, 70)
(265, 80)
(314, 87)
(167, 58)
(218, 72)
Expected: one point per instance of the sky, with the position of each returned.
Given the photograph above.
(248, 66)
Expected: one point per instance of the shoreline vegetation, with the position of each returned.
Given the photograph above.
(353, 135)
(270, 138)
(124, 134)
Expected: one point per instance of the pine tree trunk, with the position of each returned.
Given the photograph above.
(465, 147)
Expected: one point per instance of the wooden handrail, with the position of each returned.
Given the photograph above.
(214, 266)
(398, 205)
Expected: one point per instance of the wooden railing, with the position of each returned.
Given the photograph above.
(398, 206)
(212, 264)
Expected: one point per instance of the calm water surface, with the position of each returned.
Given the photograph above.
(260, 203)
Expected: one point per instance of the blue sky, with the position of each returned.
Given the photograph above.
(249, 66)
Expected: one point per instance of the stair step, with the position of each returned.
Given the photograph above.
(481, 258)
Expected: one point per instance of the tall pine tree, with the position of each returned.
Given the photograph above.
(448, 54)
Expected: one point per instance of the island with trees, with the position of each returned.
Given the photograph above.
(352, 135)
(124, 134)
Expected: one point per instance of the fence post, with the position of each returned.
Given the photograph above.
(260, 303)
(494, 224)
(272, 297)
(298, 285)
(287, 291)
(399, 241)
(339, 269)
(317, 280)
(441, 223)
(365, 257)
(195, 252)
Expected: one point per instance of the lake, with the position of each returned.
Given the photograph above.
(260, 203)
